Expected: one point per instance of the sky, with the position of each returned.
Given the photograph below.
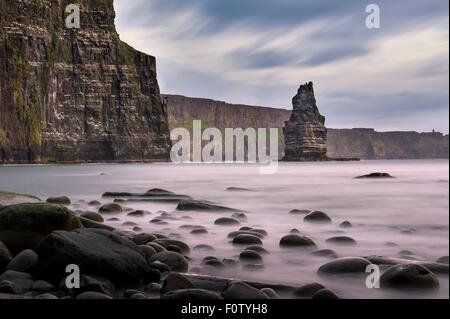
(258, 52)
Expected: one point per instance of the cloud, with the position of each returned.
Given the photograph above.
(258, 52)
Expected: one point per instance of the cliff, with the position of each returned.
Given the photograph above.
(69, 95)
(341, 143)
(305, 134)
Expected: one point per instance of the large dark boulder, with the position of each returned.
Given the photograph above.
(409, 276)
(24, 226)
(97, 252)
(345, 265)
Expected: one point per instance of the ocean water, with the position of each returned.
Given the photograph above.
(416, 201)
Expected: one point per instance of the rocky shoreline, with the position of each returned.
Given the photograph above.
(38, 240)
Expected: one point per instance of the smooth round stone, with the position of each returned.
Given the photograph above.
(250, 256)
(307, 291)
(345, 265)
(246, 240)
(172, 242)
(199, 231)
(240, 216)
(409, 276)
(159, 266)
(317, 217)
(342, 240)
(9, 287)
(139, 295)
(60, 200)
(174, 249)
(42, 286)
(214, 263)
(245, 228)
(156, 247)
(24, 262)
(299, 212)
(114, 219)
(175, 281)
(260, 231)
(226, 221)
(208, 258)
(204, 247)
(175, 261)
(296, 241)
(346, 224)
(324, 253)
(244, 232)
(138, 213)
(405, 252)
(272, 294)
(129, 224)
(294, 231)
(325, 294)
(93, 295)
(111, 208)
(258, 249)
(94, 203)
(93, 216)
(148, 251)
(230, 262)
(46, 296)
(142, 239)
(137, 229)
(443, 260)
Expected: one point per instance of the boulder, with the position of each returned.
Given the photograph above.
(97, 252)
(24, 262)
(443, 260)
(96, 217)
(142, 239)
(247, 240)
(24, 226)
(169, 242)
(226, 221)
(110, 208)
(191, 294)
(175, 281)
(241, 290)
(196, 205)
(299, 212)
(293, 240)
(250, 256)
(345, 265)
(317, 217)
(173, 260)
(9, 287)
(342, 240)
(409, 276)
(61, 200)
(87, 223)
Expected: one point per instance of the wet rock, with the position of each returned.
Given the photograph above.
(61, 200)
(138, 213)
(174, 249)
(317, 217)
(96, 251)
(324, 253)
(294, 231)
(342, 240)
(114, 219)
(87, 223)
(129, 224)
(299, 212)
(24, 262)
(247, 240)
(5, 256)
(142, 239)
(346, 224)
(240, 290)
(9, 287)
(258, 249)
(307, 291)
(93, 295)
(175, 261)
(296, 241)
(443, 260)
(195, 205)
(191, 294)
(269, 292)
(199, 231)
(250, 256)
(204, 247)
(175, 281)
(139, 295)
(437, 268)
(325, 294)
(148, 251)
(226, 221)
(42, 286)
(345, 265)
(94, 203)
(409, 276)
(156, 247)
(244, 232)
(24, 226)
(214, 263)
(96, 217)
(245, 228)
(375, 175)
(163, 268)
(90, 284)
(172, 242)
(110, 208)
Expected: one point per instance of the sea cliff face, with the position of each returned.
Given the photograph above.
(341, 143)
(75, 95)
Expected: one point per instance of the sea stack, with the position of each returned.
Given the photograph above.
(305, 133)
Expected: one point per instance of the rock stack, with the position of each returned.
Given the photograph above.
(305, 133)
